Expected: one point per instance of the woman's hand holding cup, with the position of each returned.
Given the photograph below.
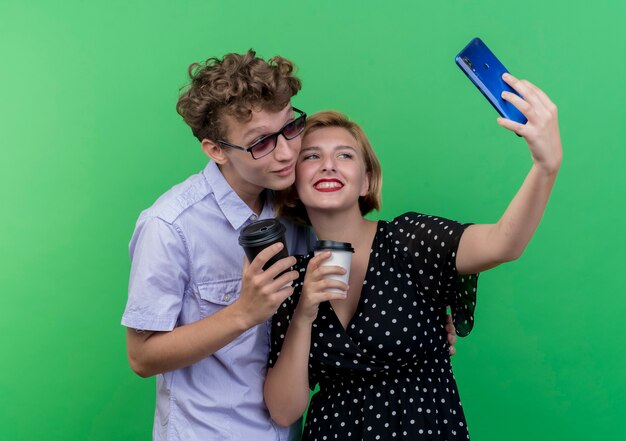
(319, 287)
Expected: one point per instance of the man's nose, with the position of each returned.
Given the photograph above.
(286, 150)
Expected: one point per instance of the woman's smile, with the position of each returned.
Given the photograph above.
(327, 185)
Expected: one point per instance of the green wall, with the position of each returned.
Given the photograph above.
(89, 136)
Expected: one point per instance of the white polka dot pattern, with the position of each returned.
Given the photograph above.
(388, 375)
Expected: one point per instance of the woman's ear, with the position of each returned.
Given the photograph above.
(214, 151)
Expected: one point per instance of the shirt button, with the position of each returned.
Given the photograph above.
(227, 297)
(253, 217)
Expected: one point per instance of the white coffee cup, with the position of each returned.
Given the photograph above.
(341, 255)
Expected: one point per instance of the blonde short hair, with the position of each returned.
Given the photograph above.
(287, 202)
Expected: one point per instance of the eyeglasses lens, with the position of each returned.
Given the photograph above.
(290, 131)
(264, 147)
(294, 128)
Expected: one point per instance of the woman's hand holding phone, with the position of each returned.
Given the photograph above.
(541, 131)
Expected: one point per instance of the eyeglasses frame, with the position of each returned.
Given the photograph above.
(276, 134)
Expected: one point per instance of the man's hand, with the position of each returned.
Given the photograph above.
(262, 292)
(451, 330)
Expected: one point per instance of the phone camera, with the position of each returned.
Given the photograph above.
(468, 62)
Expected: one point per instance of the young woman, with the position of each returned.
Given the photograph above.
(378, 351)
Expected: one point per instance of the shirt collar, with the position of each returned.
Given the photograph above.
(235, 210)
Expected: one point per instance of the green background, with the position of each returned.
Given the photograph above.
(89, 137)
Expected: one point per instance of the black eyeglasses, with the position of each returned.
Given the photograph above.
(267, 144)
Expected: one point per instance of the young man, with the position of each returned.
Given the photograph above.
(197, 317)
(193, 319)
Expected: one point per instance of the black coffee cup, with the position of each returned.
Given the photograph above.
(260, 235)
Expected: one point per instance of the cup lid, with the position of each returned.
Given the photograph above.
(333, 246)
(261, 232)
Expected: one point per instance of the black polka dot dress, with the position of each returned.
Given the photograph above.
(388, 375)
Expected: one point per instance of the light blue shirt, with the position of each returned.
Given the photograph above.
(186, 265)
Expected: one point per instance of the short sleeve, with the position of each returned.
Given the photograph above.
(158, 276)
(282, 317)
(429, 245)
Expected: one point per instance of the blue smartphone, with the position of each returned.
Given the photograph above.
(484, 69)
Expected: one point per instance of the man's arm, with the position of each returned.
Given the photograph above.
(154, 352)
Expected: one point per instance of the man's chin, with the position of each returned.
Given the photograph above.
(281, 182)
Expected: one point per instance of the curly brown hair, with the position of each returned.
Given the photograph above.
(287, 203)
(236, 85)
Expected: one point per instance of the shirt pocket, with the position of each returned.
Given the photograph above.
(217, 294)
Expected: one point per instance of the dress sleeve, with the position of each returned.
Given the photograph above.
(429, 245)
(282, 317)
